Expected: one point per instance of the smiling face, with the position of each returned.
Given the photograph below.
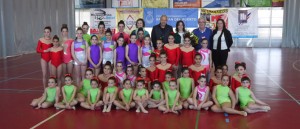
(101, 29)
(198, 59)
(119, 67)
(47, 33)
(64, 32)
(88, 75)
(168, 77)
(129, 70)
(156, 87)
(121, 27)
(143, 72)
(173, 85)
(111, 82)
(171, 39)
(241, 70)
(152, 61)
(225, 70)
(180, 26)
(139, 24)
(120, 41)
(55, 42)
(107, 70)
(108, 36)
(163, 20)
(163, 58)
(68, 80)
(186, 73)
(201, 23)
(85, 28)
(127, 84)
(246, 83)
(94, 84)
(159, 43)
(187, 42)
(225, 80)
(133, 38)
(202, 81)
(51, 82)
(220, 24)
(147, 40)
(219, 73)
(94, 40)
(140, 85)
(79, 34)
(204, 43)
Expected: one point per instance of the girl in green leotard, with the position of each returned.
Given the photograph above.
(68, 92)
(125, 95)
(156, 98)
(140, 96)
(93, 96)
(248, 101)
(109, 94)
(166, 83)
(50, 96)
(85, 85)
(224, 98)
(186, 86)
(173, 103)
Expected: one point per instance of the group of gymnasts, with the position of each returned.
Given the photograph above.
(115, 71)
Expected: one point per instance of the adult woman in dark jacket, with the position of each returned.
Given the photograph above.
(221, 40)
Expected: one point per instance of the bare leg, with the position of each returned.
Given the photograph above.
(119, 104)
(216, 108)
(64, 68)
(175, 69)
(105, 101)
(97, 71)
(85, 105)
(135, 69)
(82, 70)
(80, 97)
(185, 104)
(77, 73)
(70, 67)
(35, 102)
(207, 104)
(109, 104)
(47, 104)
(162, 108)
(227, 108)
(58, 75)
(45, 67)
(60, 105)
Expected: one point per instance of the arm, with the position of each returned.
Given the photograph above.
(161, 95)
(73, 95)
(167, 101)
(98, 96)
(231, 95)
(176, 101)
(193, 86)
(139, 55)
(150, 95)
(115, 59)
(104, 93)
(64, 95)
(38, 47)
(85, 59)
(73, 53)
(147, 95)
(195, 97)
(214, 96)
(57, 95)
(178, 56)
(114, 96)
(237, 95)
(153, 37)
(210, 59)
(101, 57)
(126, 54)
(89, 98)
(42, 99)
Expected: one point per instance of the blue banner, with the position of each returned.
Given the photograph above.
(215, 3)
(188, 16)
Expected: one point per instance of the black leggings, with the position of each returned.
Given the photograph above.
(219, 57)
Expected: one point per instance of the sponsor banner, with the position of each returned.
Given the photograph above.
(215, 3)
(212, 15)
(129, 16)
(256, 3)
(186, 3)
(155, 3)
(125, 3)
(108, 16)
(243, 23)
(188, 16)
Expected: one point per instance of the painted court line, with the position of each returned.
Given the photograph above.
(20, 76)
(19, 64)
(274, 82)
(33, 127)
(197, 120)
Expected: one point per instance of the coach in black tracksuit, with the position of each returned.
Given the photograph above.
(221, 40)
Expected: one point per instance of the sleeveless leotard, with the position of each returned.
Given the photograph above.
(67, 51)
(244, 96)
(222, 94)
(185, 87)
(146, 52)
(93, 94)
(133, 53)
(69, 89)
(51, 94)
(108, 53)
(94, 54)
(86, 85)
(127, 93)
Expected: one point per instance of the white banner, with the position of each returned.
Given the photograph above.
(108, 16)
(243, 23)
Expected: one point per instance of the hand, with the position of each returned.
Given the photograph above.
(47, 50)
(93, 107)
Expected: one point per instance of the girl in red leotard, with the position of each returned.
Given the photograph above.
(107, 73)
(163, 67)
(217, 79)
(157, 51)
(236, 78)
(196, 70)
(152, 70)
(173, 53)
(66, 42)
(187, 52)
(56, 54)
(43, 46)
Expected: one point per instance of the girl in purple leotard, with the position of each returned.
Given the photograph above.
(94, 55)
(119, 53)
(132, 54)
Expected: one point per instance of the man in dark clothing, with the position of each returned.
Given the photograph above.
(161, 31)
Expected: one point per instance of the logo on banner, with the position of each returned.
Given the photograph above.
(130, 22)
(149, 17)
(99, 14)
(243, 16)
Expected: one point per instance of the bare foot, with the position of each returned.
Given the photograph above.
(104, 109)
(137, 110)
(144, 111)
(244, 113)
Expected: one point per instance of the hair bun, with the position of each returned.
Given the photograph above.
(64, 25)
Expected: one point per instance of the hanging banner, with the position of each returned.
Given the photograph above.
(108, 16)
(125, 3)
(256, 3)
(188, 16)
(186, 3)
(129, 16)
(243, 23)
(212, 15)
(90, 4)
(277, 3)
(215, 3)
(155, 3)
